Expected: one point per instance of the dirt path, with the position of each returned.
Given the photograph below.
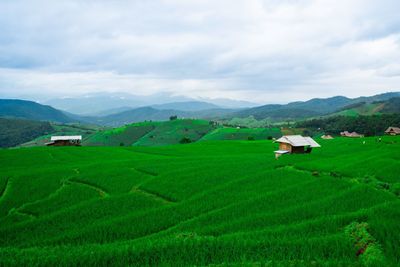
(101, 191)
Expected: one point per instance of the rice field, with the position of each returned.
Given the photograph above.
(209, 203)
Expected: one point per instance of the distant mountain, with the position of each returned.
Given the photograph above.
(153, 114)
(100, 103)
(187, 106)
(138, 115)
(229, 103)
(93, 104)
(31, 110)
(310, 108)
(14, 132)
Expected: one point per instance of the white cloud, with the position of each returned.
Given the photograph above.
(249, 49)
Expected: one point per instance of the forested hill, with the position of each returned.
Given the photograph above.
(17, 131)
(312, 108)
(367, 125)
(31, 110)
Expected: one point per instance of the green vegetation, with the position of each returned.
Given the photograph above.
(31, 110)
(206, 203)
(242, 134)
(61, 129)
(175, 131)
(126, 135)
(17, 131)
(368, 125)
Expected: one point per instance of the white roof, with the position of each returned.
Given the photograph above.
(65, 138)
(281, 151)
(298, 140)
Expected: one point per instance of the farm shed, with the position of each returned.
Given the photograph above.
(393, 131)
(295, 144)
(73, 140)
(353, 134)
(326, 136)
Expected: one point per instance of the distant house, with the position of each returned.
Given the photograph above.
(74, 140)
(295, 144)
(353, 134)
(393, 131)
(326, 136)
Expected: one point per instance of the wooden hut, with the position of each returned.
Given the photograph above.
(295, 144)
(74, 140)
(327, 136)
(353, 134)
(393, 131)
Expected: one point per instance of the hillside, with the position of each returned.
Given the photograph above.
(17, 131)
(367, 125)
(389, 106)
(62, 129)
(138, 115)
(31, 110)
(153, 114)
(229, 133)
(311, 108)
(151, 133)
(174, 132)
(208, 203)
(122, 136)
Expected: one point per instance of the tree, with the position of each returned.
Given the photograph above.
(185, 140)
(172, 118)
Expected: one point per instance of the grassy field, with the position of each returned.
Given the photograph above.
(207, 203)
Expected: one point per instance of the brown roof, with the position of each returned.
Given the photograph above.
(393, 130)
(348, 134)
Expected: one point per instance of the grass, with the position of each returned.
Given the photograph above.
(242, 134)
(207, 203)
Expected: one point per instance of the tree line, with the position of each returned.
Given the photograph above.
(367, 125)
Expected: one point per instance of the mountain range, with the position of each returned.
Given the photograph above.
(339, 105)
(105, 103)
(310, 108)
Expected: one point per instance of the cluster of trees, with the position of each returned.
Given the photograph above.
(367, 125)
(14, 132)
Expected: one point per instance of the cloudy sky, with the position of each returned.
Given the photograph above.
(263, 51)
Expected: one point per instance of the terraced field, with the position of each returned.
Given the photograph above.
(208, 203)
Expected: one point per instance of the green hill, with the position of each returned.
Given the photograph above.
(228, 133)
(389, 106)
(207, 203)
(152, 133)
(31, 110)
(63, 129)
(17, 131)
(317, 107)
(173, 132)
(126, 135)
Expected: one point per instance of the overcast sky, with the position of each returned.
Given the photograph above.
(261, 51)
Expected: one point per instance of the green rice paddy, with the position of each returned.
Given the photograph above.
(212, 203)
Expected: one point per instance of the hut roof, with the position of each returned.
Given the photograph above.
(327, 136)
(66, 138)
(298, 140)
(393, 129)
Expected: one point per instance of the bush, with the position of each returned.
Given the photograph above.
(174, 117)
(185, 140)
(250, 138)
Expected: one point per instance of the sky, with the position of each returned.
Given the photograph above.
(271, 51)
